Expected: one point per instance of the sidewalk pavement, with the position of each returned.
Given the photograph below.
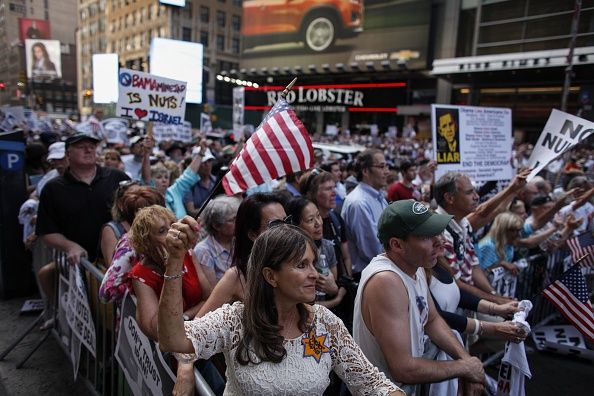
(47, 372)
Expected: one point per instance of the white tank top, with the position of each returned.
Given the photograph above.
(418, 312)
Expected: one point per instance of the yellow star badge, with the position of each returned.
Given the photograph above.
(314, 345)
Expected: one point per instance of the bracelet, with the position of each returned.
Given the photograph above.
(172, 277)
(477, 327)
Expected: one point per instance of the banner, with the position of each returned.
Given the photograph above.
(78, 313)
(238, 110)
(115, 130)
(205, 125)
(180, 133)
(561, 132)
(140, 358)
(146, 97)
(476, 141)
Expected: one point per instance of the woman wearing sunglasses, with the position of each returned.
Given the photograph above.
(274, 342)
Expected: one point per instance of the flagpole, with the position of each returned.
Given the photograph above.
(218, 185)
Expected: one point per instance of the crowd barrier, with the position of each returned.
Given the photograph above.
(87, 331)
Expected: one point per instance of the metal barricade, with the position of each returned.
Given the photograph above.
(101, 374)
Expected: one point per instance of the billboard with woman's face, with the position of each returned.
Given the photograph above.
(43, 59)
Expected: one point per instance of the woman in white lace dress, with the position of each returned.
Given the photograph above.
(275, 343)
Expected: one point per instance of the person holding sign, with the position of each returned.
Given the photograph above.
(147, 237)
(275, 342)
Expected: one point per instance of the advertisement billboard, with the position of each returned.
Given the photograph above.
(105, 78)
(43, 58)
(186, 67)
(34, 29)
(323, 33)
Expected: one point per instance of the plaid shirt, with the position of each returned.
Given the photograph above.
(461, 256)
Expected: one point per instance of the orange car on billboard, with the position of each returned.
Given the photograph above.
(316, 23)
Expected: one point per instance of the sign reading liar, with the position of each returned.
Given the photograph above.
(146, 97)
(561, 132)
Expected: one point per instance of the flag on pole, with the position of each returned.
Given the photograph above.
(570, 295)
(279, 146)
(580, 246)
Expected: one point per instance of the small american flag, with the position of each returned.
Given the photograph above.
(570, 295)
(580, 246)
(280, 146)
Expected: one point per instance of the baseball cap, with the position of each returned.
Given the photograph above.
(135, 139)
(78, 137)
(410, 217)
(207, 155)
(540, 200)
(56, 151)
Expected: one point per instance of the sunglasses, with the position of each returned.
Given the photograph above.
(123, 186)
(277, 222)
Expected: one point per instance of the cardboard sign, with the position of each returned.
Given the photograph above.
(115, 130)
(146, 97)
(180, 133)
(141, 359)
(561, 132)
(78, 313)
(476, 141)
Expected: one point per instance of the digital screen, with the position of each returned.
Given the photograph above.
(179, 60)
(105, 78)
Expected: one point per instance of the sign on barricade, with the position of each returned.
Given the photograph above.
(504, 282)
(561, 132)
(146, 97)
(78, 313)
(476, 141)
(562, 339)
(180, 133)
(141, 359)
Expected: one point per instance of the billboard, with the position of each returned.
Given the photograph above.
(324, 33)
(43, 58)
(105, 78)
(179, 60)
(34, 29)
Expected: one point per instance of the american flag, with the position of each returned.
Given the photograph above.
(280, 146)
(580, 246)
(570, 295)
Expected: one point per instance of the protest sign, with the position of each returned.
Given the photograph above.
(561, 132)
(146, 97)
(180, 133)
(140, 358)
(78, 313)
(115, 130)
(205, 124)
(476, 141)
(238, 112)
(562, 339)
(92, 127)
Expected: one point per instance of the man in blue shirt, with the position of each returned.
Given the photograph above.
(194, 198)
(362, 208)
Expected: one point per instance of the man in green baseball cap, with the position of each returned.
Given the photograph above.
(393, 308)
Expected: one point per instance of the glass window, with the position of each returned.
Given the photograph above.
(186, 34)
(236, 23)
(221, 18)
(235, 45)
(204, 38)
(204, 14)
(221, 42)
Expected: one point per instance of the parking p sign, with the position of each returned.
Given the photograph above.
(11, 155)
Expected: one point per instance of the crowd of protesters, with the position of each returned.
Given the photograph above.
(375, 240)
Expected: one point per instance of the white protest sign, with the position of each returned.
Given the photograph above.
(146, 97)
(180, 133)
(140, 358)
(92, 127)
(238, 111)
(560, 334)
(205, 124)
(78, 313)
(561, 132)
(476, 141)
(115, 130)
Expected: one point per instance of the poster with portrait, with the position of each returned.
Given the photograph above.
(34, 29)
(43, 59)
(476, 141)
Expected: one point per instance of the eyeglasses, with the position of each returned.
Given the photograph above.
(379, 166)
(277, 222)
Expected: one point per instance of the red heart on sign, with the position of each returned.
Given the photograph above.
(140, 113)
